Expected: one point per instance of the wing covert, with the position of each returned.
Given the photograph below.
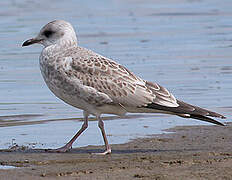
(117, 82)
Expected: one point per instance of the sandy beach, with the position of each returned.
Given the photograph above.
(194, 152)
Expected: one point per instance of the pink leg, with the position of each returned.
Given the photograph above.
(107, 146)
(69, 144)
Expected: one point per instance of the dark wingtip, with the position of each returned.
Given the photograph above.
(214, 114)
(220, 124)
(207, 119)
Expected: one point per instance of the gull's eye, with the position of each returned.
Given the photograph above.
(48, 33)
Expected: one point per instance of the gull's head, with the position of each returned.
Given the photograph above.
(57, 32)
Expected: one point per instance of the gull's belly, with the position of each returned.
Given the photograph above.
(67, 97)
(76, 101)
(65, 91)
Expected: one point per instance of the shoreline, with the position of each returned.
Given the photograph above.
(190, 152)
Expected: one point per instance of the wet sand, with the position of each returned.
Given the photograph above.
(193, 152)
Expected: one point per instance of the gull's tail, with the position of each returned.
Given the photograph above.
(189, 111)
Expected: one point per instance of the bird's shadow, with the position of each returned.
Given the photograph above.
(98, 150)
(128, 151)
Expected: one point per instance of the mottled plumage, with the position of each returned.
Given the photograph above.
(99, 85)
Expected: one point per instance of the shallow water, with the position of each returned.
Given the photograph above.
(183, 45)
(6, 167)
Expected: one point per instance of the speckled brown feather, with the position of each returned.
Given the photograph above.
(114, 80)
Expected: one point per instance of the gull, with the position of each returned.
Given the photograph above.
(99, 85)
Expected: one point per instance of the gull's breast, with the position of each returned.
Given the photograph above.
(59, 82)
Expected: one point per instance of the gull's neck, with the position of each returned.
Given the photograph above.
(60, 46)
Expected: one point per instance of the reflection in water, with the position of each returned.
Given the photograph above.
(6, 167)
(185, 51)
(30, 119)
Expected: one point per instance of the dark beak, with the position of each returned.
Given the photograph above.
(31, 41)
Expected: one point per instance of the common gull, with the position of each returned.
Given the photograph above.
(99, 85)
